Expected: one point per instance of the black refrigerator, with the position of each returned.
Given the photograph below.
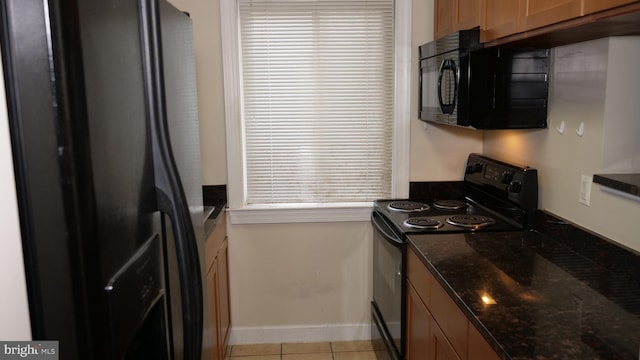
(103, 116)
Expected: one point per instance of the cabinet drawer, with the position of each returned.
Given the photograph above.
(449, 318)
(419, 277)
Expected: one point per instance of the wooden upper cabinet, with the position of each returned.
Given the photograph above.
(538, 13)
(499, 18)
(454, 15)
(467, 14)
(556, 22)
(444, 18)
(592, 6)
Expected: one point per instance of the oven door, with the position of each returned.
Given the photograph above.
(388, 305)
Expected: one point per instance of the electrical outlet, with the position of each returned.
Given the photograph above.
(585, 189)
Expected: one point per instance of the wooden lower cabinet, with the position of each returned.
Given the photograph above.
(418, 327)
(442, 349)
(213, 330)
(425, 339)
(217, 291)
(454, 338)
(479, 348)
(224, 308)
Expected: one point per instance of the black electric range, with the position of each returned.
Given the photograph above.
(496, 196)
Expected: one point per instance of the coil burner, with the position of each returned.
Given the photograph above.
(423, 223)
(449, 204)
(408, 206)
(471, 221)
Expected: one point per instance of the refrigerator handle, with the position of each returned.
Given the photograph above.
(170, 194)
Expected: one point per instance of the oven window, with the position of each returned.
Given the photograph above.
(387, 284)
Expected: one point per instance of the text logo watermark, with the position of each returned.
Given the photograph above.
(29, 350)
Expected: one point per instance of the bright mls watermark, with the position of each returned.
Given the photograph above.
(29, 350)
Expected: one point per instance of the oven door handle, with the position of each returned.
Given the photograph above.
(385, 229)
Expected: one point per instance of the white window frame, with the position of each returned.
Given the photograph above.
(242, 213)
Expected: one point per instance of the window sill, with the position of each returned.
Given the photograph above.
(283, 214)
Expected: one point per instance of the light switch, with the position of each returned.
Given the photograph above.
(585, 189)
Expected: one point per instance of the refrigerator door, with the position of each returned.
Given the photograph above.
(95, 174)
(170, 66)
(179, 75)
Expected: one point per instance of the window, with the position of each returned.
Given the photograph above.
(311, 89)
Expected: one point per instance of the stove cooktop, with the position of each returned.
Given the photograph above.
(427, 217)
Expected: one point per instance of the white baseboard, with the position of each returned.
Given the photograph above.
(308, 333)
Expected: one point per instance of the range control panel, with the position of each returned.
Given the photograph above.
(518, 184)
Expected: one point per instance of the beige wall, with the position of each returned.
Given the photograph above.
(300, 282)
(596, 83)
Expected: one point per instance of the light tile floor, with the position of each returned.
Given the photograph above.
(340, 350)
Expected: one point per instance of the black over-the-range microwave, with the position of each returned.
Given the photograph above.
(465, 84)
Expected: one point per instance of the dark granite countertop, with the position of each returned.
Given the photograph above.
(560, 292)
(215, 201)
(628, 183)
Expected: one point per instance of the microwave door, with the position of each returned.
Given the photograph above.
(430, 107)
(448, 86)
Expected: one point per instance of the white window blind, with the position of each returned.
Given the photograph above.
(318, 100)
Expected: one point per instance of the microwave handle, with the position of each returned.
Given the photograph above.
(448, 65)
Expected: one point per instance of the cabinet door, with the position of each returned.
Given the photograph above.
(538, 13)
(454, 15)
(499, 18)
(449, 318)
(479, 348)
(442, 349)
(591, 6)
(444, 14)
(224, 310)
(467, 14)
(213, 335)
(418, 325)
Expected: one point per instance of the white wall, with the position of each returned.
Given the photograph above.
(597, 83)
(14, 308)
